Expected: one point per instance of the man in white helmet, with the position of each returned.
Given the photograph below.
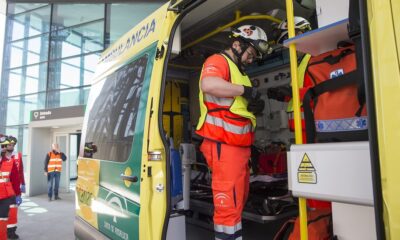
(284, 93)
(228, 104)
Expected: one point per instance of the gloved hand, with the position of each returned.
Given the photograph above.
(256, 106)
(18, 200)
(22, 188)
(250, 93)
(279, 93)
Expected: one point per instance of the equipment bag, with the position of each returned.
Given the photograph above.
(319, 227)
(338, 112)
(273, 161)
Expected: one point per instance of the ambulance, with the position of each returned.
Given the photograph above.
(140, 173)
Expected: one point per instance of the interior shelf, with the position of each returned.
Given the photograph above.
(320, 40)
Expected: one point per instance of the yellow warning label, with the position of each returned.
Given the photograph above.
(306, 172)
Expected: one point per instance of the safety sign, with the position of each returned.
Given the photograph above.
(306, 172)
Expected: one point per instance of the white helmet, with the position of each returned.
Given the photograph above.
(255, 36)
(300, 23)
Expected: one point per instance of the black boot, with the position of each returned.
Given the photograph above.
(11, 233)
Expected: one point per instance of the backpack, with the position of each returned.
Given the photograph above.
(334, 107)
(319, 227)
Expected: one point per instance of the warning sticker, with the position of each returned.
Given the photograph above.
(306, 172)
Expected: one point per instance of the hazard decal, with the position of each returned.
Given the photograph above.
(306, 172)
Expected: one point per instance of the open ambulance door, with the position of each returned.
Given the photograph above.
(122, 190)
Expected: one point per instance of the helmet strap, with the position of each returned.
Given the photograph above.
(243, 45)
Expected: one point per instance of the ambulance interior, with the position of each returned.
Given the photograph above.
(269, 199)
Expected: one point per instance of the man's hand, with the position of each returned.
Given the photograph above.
(256, 106)
(22, 188)
(279, 93)
(18, 200)
(250, 93)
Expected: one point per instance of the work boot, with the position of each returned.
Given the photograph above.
(57, 198)
(11, 233)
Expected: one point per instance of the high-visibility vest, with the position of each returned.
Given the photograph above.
(301, 70)
(55, 162)
(6, 188)
(227, 120)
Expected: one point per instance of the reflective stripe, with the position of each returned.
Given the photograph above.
(340, 125)
(54, 165)
(228, 229)
(13, 206)
(11, 225)
(5, 174)
(221, 101)
(219, 122)
(3, 219)
(4, 180)
(291, 115)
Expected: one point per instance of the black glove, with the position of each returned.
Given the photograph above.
(279, 93)
(250, 93)
(256, 106)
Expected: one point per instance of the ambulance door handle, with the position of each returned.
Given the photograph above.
(129, 178)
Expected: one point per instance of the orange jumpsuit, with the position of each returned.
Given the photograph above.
(228, 162)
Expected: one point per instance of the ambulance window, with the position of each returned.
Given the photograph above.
(112, 117)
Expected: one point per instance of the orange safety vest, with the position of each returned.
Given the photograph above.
(6, 188)
(227, 120)
(55, 162)
(338, 111)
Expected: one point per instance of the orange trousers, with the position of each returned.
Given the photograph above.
(230, 186)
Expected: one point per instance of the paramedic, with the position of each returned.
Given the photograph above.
(284, 93)
(9, 185)
(228, 104)
(13, 213)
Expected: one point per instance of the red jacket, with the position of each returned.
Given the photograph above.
(9, 178)
(20, 167)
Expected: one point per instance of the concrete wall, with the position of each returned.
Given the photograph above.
(40, 142)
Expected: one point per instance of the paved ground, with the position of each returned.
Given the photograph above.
(40, 219)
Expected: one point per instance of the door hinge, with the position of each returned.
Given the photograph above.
(160, 52)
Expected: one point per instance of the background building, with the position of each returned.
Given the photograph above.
(50, 53)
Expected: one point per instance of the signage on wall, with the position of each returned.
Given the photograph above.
(58, 113)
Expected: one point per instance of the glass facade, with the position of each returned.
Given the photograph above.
(50, 55)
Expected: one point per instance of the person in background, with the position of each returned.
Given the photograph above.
(228, 105)
(284, 93)
(13, 213)
(52, 169)
(9, 185)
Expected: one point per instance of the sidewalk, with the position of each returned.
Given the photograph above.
(40, 219)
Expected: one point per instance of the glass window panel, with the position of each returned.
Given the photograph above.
(122, 19)
(75, 41)
(114, 109)
(67, 97)
(19, 108)
(72, 72)
(15, 8)
(27, 80)
(30, 24)
(21, 133)
(66, 15)
(29, 51)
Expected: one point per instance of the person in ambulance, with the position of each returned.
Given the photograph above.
(13, 213)
(228, 104)
(284, 93)
(9, 185)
